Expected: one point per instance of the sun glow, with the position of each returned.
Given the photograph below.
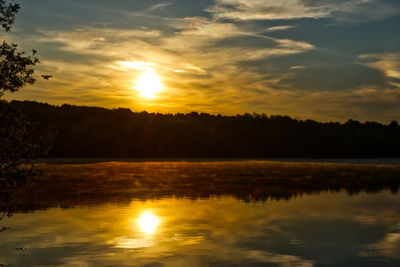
(148, 84)
(148, 223)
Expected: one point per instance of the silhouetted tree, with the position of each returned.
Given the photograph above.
(16, 68)
(18, 143)
(7, 14)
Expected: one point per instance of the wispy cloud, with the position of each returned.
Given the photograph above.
(280, 28)
(297, 67)
(92, 40)
(132, 65)
(345, 10)
(160, 5)
(388, 63)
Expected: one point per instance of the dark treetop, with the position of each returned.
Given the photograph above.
(98, 132)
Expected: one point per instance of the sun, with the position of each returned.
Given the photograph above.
(148, 223)
(148, 84)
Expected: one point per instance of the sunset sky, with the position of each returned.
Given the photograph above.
(318, 59)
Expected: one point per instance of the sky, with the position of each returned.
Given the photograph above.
(327, 60)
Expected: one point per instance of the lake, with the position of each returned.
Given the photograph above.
(321, 225)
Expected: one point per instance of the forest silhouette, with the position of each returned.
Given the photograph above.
(80, 131)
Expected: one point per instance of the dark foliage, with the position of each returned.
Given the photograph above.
(16, 69)
(7, 14)
(98, 132)
(19, 144)
(18, 141)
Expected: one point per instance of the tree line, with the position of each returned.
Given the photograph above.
(79, 131)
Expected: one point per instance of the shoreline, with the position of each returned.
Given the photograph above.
(377, 161)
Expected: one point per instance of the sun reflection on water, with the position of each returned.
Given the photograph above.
(148, 222)
(161, 232)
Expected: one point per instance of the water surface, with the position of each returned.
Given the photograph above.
(318, 229)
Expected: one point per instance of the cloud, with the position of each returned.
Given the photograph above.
(142, 65)
(132, 65)
(341, 10)
(387, 63)
(263, 10)
(204, 27)
(160, 5)
(280, 28)
(89, 40)
(204, 32)
(297, 67)
(296, 45)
